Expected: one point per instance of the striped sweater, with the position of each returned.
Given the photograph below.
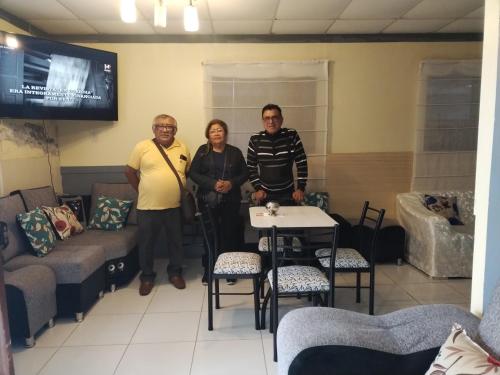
(270, 161)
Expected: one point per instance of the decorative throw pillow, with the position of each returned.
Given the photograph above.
(444, 206)
(110, 213)
(76, 205)
(319, 199)
(460, 355)
(37, 228)
(63, 220)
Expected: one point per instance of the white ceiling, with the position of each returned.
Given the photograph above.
(255, 17)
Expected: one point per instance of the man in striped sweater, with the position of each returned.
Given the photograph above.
(270, 158)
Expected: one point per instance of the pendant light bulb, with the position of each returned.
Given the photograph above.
(191, 22)
(160, 19)
(128, 12)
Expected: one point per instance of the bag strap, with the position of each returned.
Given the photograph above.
(163, 153)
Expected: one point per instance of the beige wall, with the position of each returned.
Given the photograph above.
(372, 100)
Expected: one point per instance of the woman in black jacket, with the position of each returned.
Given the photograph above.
(219, 170)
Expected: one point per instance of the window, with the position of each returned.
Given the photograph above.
(236, 93)
(447, 124)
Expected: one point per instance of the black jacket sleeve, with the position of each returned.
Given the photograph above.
(198, 172)
(240, 168)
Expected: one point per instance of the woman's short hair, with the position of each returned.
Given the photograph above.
(213, 122)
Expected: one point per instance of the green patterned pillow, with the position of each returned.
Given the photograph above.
(37, 228)
(319, 199)
(110, 213)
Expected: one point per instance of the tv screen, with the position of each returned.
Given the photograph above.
(43, 79)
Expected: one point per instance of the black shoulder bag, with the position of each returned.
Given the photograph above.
(188, 205)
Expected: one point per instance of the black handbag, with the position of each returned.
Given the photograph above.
(188, 205)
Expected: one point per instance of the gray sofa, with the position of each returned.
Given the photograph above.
(82, 266)
(79, 270)
(324, 340)
(31, 301)
(120, 247)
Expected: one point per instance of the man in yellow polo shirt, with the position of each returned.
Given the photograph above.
(158, 206)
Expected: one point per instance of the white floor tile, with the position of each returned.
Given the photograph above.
(167, 327)
(57, 335)
(229, 324)
(122, 301)
(380, 278)
(158, 358)
(434, 293)
(169, 299)
(271, 366)
(104, 330)
(241, 357)
(30, 361)
(85, 360)
(404, 274)
(462, 286)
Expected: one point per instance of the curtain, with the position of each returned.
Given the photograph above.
(236, 92)
(447, 124)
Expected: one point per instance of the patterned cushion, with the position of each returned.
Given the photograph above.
(346, 258)
(37, 228)
(319, 199)
(264, 244)
(110, 213)
(237, 263)
(444, 206)
(460, 355)
(76, 205)
(295, 279)
(63, 220)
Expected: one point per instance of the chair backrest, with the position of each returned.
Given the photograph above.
(365, 234)
(210, 234)
(489, 328)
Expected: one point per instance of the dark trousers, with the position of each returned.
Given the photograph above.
(151, 223)
(229, 225)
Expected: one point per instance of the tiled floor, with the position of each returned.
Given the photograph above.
(166, 332)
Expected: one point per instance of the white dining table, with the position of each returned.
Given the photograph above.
(291, 217)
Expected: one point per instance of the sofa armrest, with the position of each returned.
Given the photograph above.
(418, 220)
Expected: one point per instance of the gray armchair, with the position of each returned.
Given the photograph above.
(317, 340)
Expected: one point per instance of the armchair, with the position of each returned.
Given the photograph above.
(434, 245)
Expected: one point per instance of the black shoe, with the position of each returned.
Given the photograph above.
(230, 281)
(204, 279)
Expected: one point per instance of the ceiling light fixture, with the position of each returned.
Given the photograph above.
(11, 41)
(128, 12)
(191, 22)
(160, 18)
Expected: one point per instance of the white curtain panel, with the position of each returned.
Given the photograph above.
(236, 92)
(447, 123)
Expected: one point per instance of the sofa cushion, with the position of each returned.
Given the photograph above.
(38, 287)
(318, 199)
(63, 220)
(9, 207)
(444, 206)
(116, 244)
(37, 197)
(71, 264)
(110, 213)
(118, 190)
(38, 230)
(460, 355)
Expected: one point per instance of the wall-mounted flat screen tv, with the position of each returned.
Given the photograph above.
(43, 79)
